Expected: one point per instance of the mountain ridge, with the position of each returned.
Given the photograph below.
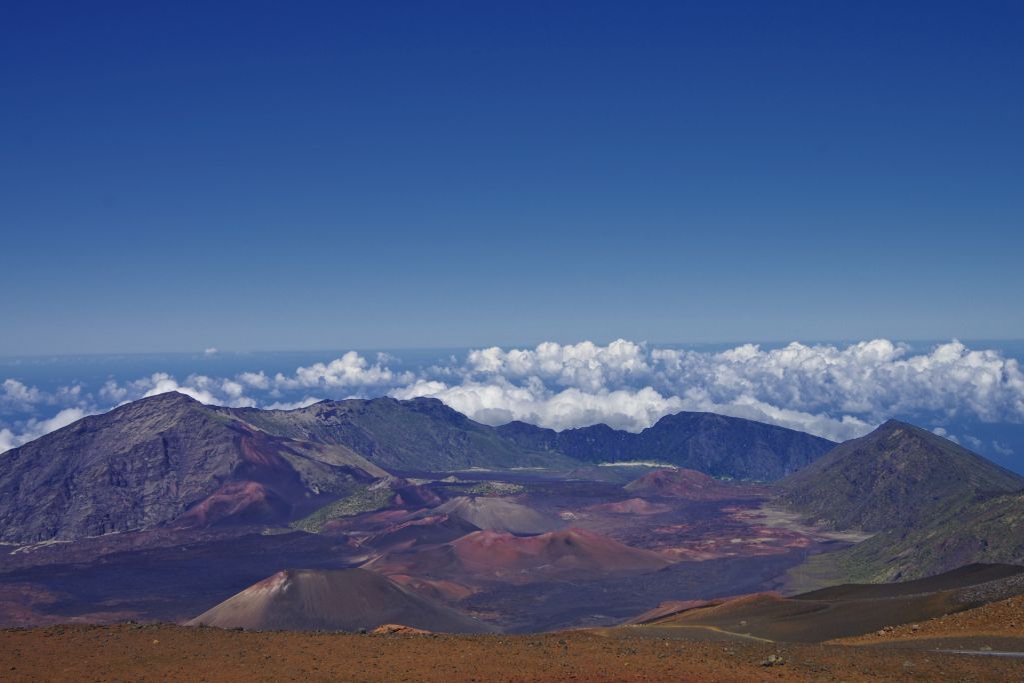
(715, 444)
(170, 459)
(932, 504)
(149, 462)
(897, 477)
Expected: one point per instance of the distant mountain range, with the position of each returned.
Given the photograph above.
(421, 434)
(170, 459)
(364, 512)
(714, 444)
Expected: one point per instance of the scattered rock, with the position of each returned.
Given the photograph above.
(390, 629)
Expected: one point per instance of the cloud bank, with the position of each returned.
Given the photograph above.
(838, 392)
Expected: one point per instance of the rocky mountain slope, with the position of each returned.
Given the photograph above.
(934, 505)
(170, 459)
(899, 477)
(422, 434)
(165, 459)
(989, 530)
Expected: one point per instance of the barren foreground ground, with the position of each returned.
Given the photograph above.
(160, 653)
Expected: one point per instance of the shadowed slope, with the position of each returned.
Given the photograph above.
(961, 577)
(989, 530)
(847, 610)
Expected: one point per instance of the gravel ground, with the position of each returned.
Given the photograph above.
(171, 653)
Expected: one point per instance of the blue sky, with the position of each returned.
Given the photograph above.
(175, 176)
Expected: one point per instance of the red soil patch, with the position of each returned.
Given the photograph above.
(573, 552)
(486, 556)
(438, 589)
(237, 500)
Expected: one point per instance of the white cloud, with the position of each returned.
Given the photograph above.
(584, 365)
(37, 428)
(973, 442)
(838, 392)
(750, 408)
(17, 395)
(256, 380)
(350, 370)
(113, 393)
(835, 392)
(208, 390)
(294, 405)
(500, 401)
(232, 389)
(1001, 449)
(8, 440)
(162, 383)
(944, 433)
(873, 379)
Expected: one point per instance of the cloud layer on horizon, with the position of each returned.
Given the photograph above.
(835, 392)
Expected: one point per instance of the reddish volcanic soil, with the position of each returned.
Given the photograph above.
(574, 552)
(998, 620)
(161, 653)
(236, 500)
(496, 555)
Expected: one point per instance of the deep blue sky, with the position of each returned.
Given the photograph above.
(302, 175)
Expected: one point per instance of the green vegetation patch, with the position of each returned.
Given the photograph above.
(494, 488)
(362, 500)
